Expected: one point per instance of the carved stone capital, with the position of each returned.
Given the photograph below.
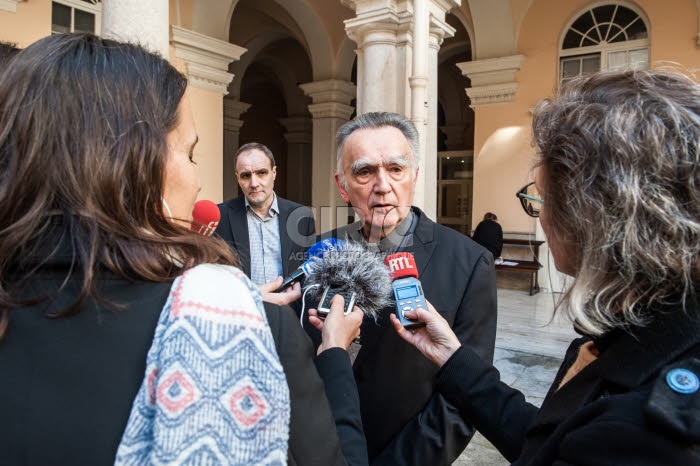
(233, 109)
(491, 94)
(492, 79)
(330, 90)
(207, 58)
(331, 110)
(299, 129)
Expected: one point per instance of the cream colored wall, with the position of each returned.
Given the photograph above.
(674, 28)
(502, 133)
(30, 22)
(501, 165)
(208, 111)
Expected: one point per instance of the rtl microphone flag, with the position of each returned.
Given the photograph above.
(205, 217)
(401, 265)
(408, 291)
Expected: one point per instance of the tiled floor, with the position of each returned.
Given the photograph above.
(529, 347)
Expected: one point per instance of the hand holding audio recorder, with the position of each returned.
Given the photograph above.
(408, 291)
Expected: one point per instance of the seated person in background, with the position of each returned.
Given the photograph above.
(619, 176)
(108, 351)
(489, 234)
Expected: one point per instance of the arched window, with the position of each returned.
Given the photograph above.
(604, 37)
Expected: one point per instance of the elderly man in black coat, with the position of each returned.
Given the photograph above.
(405, 421)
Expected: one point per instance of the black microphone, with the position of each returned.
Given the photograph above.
(316, 250)
(356, 273)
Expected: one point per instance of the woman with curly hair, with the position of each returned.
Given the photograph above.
(618, 195)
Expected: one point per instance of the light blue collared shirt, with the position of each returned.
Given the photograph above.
(265, 246)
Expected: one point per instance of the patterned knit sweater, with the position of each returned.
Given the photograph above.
(214, 392)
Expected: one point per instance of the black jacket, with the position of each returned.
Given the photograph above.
(489, 234)
(68, 384)
(315, 424)
(405, 421)
(619, 410)
(296, 224)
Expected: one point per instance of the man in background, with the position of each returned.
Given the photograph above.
(266, 231)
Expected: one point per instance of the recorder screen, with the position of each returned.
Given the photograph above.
(407, 292)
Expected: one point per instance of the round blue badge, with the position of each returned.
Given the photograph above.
(683, 381)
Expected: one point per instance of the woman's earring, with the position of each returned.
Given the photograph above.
(165, 204)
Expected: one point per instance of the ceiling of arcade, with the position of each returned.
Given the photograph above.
(490, 26)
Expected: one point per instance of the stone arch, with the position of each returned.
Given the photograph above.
(466, 23)
(345, 59)
(493, 34)
(452, 98)
(278, 59)
(213, 17)
(455, 138)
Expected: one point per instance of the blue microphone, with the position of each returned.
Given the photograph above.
(315, 251)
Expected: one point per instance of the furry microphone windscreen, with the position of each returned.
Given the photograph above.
(352, 268)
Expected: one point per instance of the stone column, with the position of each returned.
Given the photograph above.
(380, 29)
(299, 158)
(137, 21)
(330, 109)
(232, 132)
(426, 192)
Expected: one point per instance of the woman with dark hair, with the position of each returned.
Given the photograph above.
(618, 196)
(115, 340)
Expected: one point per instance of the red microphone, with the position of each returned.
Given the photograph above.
(205, 217)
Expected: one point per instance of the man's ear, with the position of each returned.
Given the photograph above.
(274, 173)
(341, 189)
(415, 179)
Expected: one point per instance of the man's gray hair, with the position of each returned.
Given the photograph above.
(375, 120)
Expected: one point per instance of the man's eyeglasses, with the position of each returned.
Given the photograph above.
(529, 199)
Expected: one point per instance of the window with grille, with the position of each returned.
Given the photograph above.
(604, 37)
(75, 16)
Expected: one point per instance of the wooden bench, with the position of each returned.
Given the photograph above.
(526, 266)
